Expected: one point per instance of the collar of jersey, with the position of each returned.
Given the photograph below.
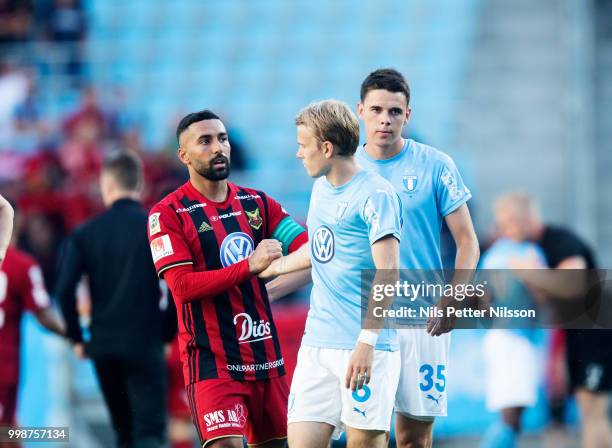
(224, 204)
(396, 157)
(358, 175)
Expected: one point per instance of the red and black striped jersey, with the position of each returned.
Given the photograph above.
(229, 333)
(21, 289)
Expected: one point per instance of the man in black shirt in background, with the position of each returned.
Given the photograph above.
(128, 328)
(589, 360)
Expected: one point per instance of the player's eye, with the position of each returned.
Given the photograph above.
(223, 138)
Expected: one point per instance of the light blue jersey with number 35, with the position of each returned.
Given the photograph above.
(343, 223)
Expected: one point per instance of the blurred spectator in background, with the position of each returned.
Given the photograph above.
(41, 234)
(81, 153)
(21, 289)
(128, 328)
(14, 86)
(15, 21)
(588, 351)
(513, 369)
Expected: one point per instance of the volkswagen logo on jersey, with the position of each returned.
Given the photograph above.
(235, 247)
(323, 244)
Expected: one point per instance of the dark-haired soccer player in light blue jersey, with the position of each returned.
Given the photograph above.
(431, 191)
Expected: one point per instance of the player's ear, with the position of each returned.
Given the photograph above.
(328, 149)
(182, 155)
(360, 109)
(408, 113)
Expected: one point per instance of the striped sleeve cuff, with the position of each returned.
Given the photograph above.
(286, 231)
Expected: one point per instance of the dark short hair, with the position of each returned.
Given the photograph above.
(126, 168)
(194, 117)
(385, 79)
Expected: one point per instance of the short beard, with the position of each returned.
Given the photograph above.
(211, 173)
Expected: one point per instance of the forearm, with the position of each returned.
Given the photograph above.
(188, 286)
(287, 283)
(466, 260)
(385, 254)
(468, 253)
(72, 328)
(51, 321)
(295, 261)
(560, 284)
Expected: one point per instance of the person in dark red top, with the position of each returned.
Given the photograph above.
(21, 289)
(209, 240)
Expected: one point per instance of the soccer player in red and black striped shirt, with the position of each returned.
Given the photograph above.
(209, 240)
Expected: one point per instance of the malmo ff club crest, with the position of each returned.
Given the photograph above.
(254, 217)
(235, 247)
(410, 182)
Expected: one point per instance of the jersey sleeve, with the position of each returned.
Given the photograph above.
(382, 214)
(450, 190)
(169, 247)
(70, 269)
(283, 228)
(35, 295)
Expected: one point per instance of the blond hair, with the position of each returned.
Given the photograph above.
(332, 121)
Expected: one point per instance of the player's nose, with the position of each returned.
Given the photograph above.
(217, 147)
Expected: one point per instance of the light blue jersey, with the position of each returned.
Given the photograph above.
(507, 289)
(430, 187)
(343, 223)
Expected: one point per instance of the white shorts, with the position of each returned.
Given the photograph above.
(511, 370)
(424, 372)
(318, 393)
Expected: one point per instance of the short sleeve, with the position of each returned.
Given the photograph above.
(382, 214)
(169, 246)
(35, 294)
(450, 190)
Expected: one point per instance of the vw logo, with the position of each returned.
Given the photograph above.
(323, 244)
(235, 247)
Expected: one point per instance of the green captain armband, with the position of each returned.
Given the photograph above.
(286, 231)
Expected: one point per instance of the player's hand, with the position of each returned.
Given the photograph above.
(79, 351)
(359, 370)
(437, 326)
(265, 253)
(271, 271)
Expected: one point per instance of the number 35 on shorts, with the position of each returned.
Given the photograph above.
(432, 377)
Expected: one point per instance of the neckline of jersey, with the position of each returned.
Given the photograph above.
(399, 155)
(224, 204)
(358, 175)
